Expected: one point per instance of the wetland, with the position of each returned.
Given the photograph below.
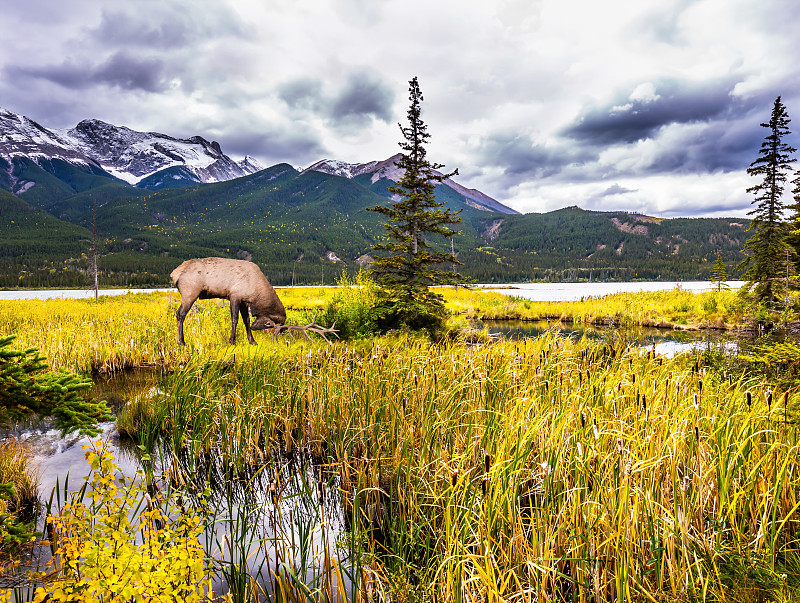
(562, 461)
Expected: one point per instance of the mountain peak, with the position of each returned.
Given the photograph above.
(387, 169)
(122, 152)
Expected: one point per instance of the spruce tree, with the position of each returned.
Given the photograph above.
(793, 236)
(28, 389)
(765, 250)
(719, 274)
(412, 264)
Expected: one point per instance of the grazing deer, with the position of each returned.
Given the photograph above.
(247, 289)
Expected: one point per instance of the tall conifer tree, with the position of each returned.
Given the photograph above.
(719, 274)
(793, 237)
(411, 264)
(766, 249)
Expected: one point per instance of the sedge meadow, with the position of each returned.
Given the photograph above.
(403, 469)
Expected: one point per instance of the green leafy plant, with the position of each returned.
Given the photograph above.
(27, 388)
(352, 307)
(123, 544)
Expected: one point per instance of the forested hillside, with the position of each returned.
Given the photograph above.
(310, 226)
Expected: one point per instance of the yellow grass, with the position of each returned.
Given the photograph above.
(138, 329)
(674, 308)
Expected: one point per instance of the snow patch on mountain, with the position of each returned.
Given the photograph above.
(124, 153)
(341, 168)
(387, 169)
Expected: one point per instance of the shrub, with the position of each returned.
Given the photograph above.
(353, 307)
(123, 545)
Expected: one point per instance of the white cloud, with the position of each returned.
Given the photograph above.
(518, 73)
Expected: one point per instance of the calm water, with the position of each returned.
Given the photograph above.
(667, 342)
(242, 502)
(577, 291)
(532, 291)
(68, 293)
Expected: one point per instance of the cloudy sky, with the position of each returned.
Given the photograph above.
(651, 106)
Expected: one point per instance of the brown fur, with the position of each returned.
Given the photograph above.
(240, 282)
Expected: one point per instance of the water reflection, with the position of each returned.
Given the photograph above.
(663, 341)
(280, 516)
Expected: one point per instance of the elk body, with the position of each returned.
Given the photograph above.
(240, 282)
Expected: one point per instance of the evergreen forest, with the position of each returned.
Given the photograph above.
(308, 227)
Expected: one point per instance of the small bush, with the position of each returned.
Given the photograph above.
(353, 307)
(117, 548)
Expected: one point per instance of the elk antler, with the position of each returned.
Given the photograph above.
(312, 326)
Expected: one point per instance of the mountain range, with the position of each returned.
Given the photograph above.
(145, 159)
(146, 201)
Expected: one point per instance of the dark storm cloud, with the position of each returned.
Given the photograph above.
(598, 200)
(118, 28)
(304, 93)
(363, 96)
(717, 147)
(292, 145)
(120, 70)
(628, 120)
(616, 189)
(522, 159)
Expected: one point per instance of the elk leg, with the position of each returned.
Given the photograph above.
(183, 310)
(244, 310)
(235, 303)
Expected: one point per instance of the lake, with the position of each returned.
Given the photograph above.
(577, 291)
(532, 291)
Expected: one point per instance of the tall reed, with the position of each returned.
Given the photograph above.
(519, 471)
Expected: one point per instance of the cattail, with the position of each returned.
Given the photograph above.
(580, 450)
(700, 385)
(785, 407)
(769, 401)
(696, 433)
(583, 420)
(487, 463)
(696, 403)
(454, 478)
(595, 430)
(749, 399)
(633, 378)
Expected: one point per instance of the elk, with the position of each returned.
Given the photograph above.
(245, 286)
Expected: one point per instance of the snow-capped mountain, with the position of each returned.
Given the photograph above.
(124, 153)
(341, 168)
(388, 170)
